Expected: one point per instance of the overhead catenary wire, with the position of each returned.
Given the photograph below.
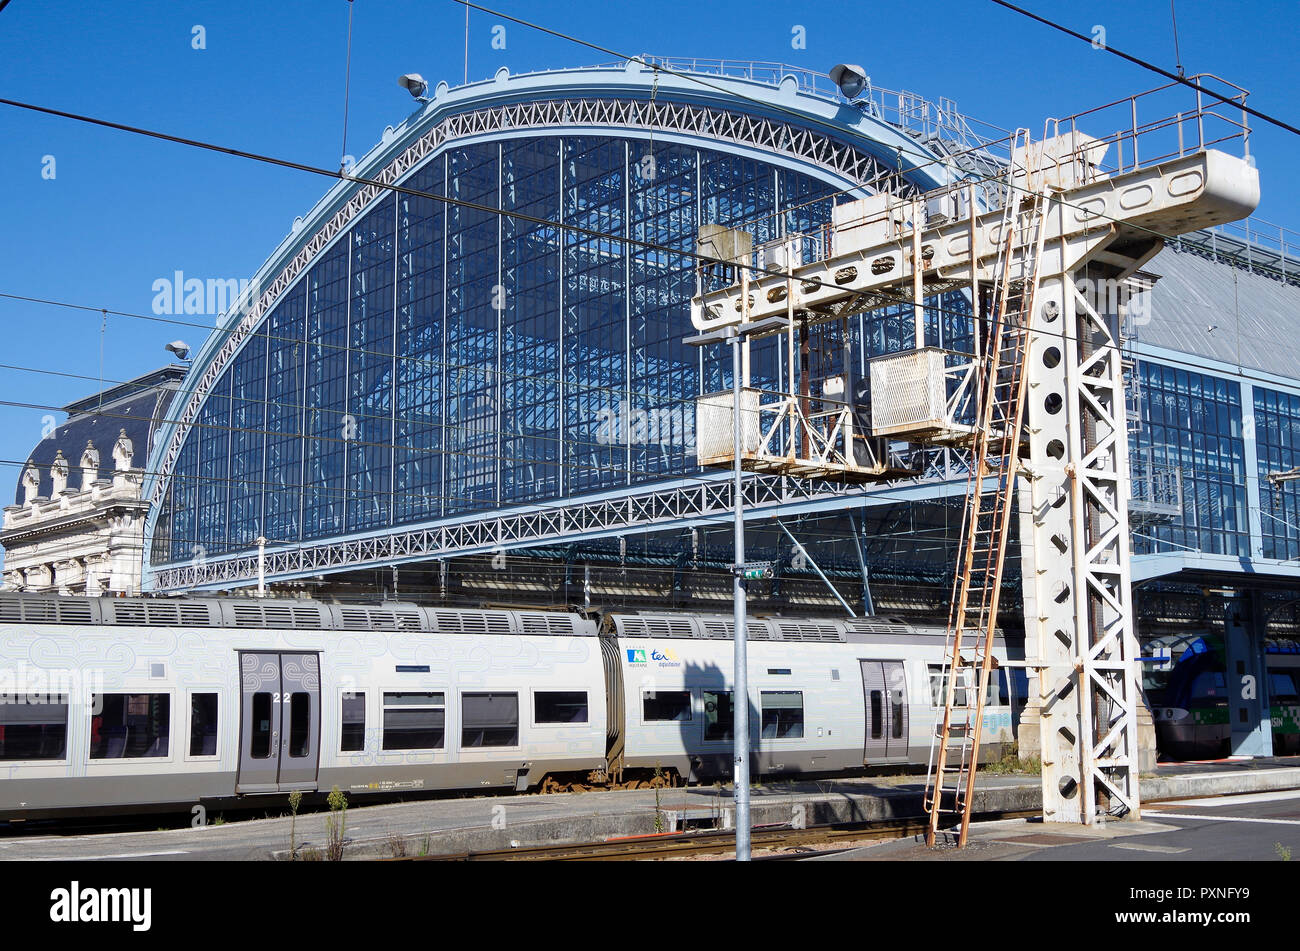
(805, 118)
(626, 240)
(347, 90)
(708, 565)
(1178, 56)
(562, 226)
(659, 398)
(603, 236)
(619, 238)
(1175, 77)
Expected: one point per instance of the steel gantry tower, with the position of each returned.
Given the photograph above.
(1038, 405)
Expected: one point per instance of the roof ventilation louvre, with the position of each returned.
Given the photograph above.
(542, 623)
(634, 627)
(356, 619)
(129, 612)
(719, 628)
(196, 614)
(262, 615)
(473, 622)
(408, 620)
(75, 612)
(45, 609)
(868, 625)
(655, 625)
(809, 631)
(448, 622)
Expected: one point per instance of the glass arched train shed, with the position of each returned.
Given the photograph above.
(411, 377)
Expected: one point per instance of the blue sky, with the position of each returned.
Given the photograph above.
(122, 212)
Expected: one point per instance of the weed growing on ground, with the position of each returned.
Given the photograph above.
(335, 823)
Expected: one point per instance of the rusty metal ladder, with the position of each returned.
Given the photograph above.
(954, 750)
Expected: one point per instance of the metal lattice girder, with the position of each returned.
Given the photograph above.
(653, 508)
(1186, 193)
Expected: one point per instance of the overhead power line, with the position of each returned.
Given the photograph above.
(1175, 77)
(445, 199)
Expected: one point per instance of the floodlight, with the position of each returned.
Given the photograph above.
(414, 84)
(180, 348)
(851, 79)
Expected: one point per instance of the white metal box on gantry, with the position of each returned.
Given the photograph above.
(714, 429)
(909, 393)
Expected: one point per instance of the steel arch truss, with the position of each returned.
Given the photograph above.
(572, 115)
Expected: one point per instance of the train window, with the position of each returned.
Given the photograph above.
(203, 724)
(1020, 684)
(719, 715)
(560, 706)
(1281, 686)
(353, 739)
(996, 695)
(877, 715)
(896, 714)
(489, 719)
(130, 725)
(414, 721)
(939, 686)
(782, 714)
(299, 724)
(665, 705)
(260, 747)
(1210, 685)
(33, 726)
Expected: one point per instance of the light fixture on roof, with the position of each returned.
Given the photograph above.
(414, 84)
(180, 348)
(851, 79)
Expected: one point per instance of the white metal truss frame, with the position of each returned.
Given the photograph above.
(1074, 513)
(1075, 533)
(829, 438)
(654, 508)
(573, 115)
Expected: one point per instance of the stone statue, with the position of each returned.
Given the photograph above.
(89, 465)
(58, 474)
(31, 484)
(123, 452)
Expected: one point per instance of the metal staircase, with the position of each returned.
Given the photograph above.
(954, 750)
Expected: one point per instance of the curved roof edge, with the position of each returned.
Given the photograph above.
(634, 81)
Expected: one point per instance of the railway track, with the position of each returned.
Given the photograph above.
(709, 842)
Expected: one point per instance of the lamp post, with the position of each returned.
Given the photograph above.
(740, 701)
(736, 337)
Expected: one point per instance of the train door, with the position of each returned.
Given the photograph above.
(884, 688)
(279, 721)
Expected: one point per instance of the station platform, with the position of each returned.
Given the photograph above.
(494, 822)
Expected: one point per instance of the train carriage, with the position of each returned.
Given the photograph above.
(117, 704)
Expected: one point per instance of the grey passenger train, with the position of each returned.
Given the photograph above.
(120, 704)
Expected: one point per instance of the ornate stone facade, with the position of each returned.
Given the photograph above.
(78, 529)
(84, 540)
